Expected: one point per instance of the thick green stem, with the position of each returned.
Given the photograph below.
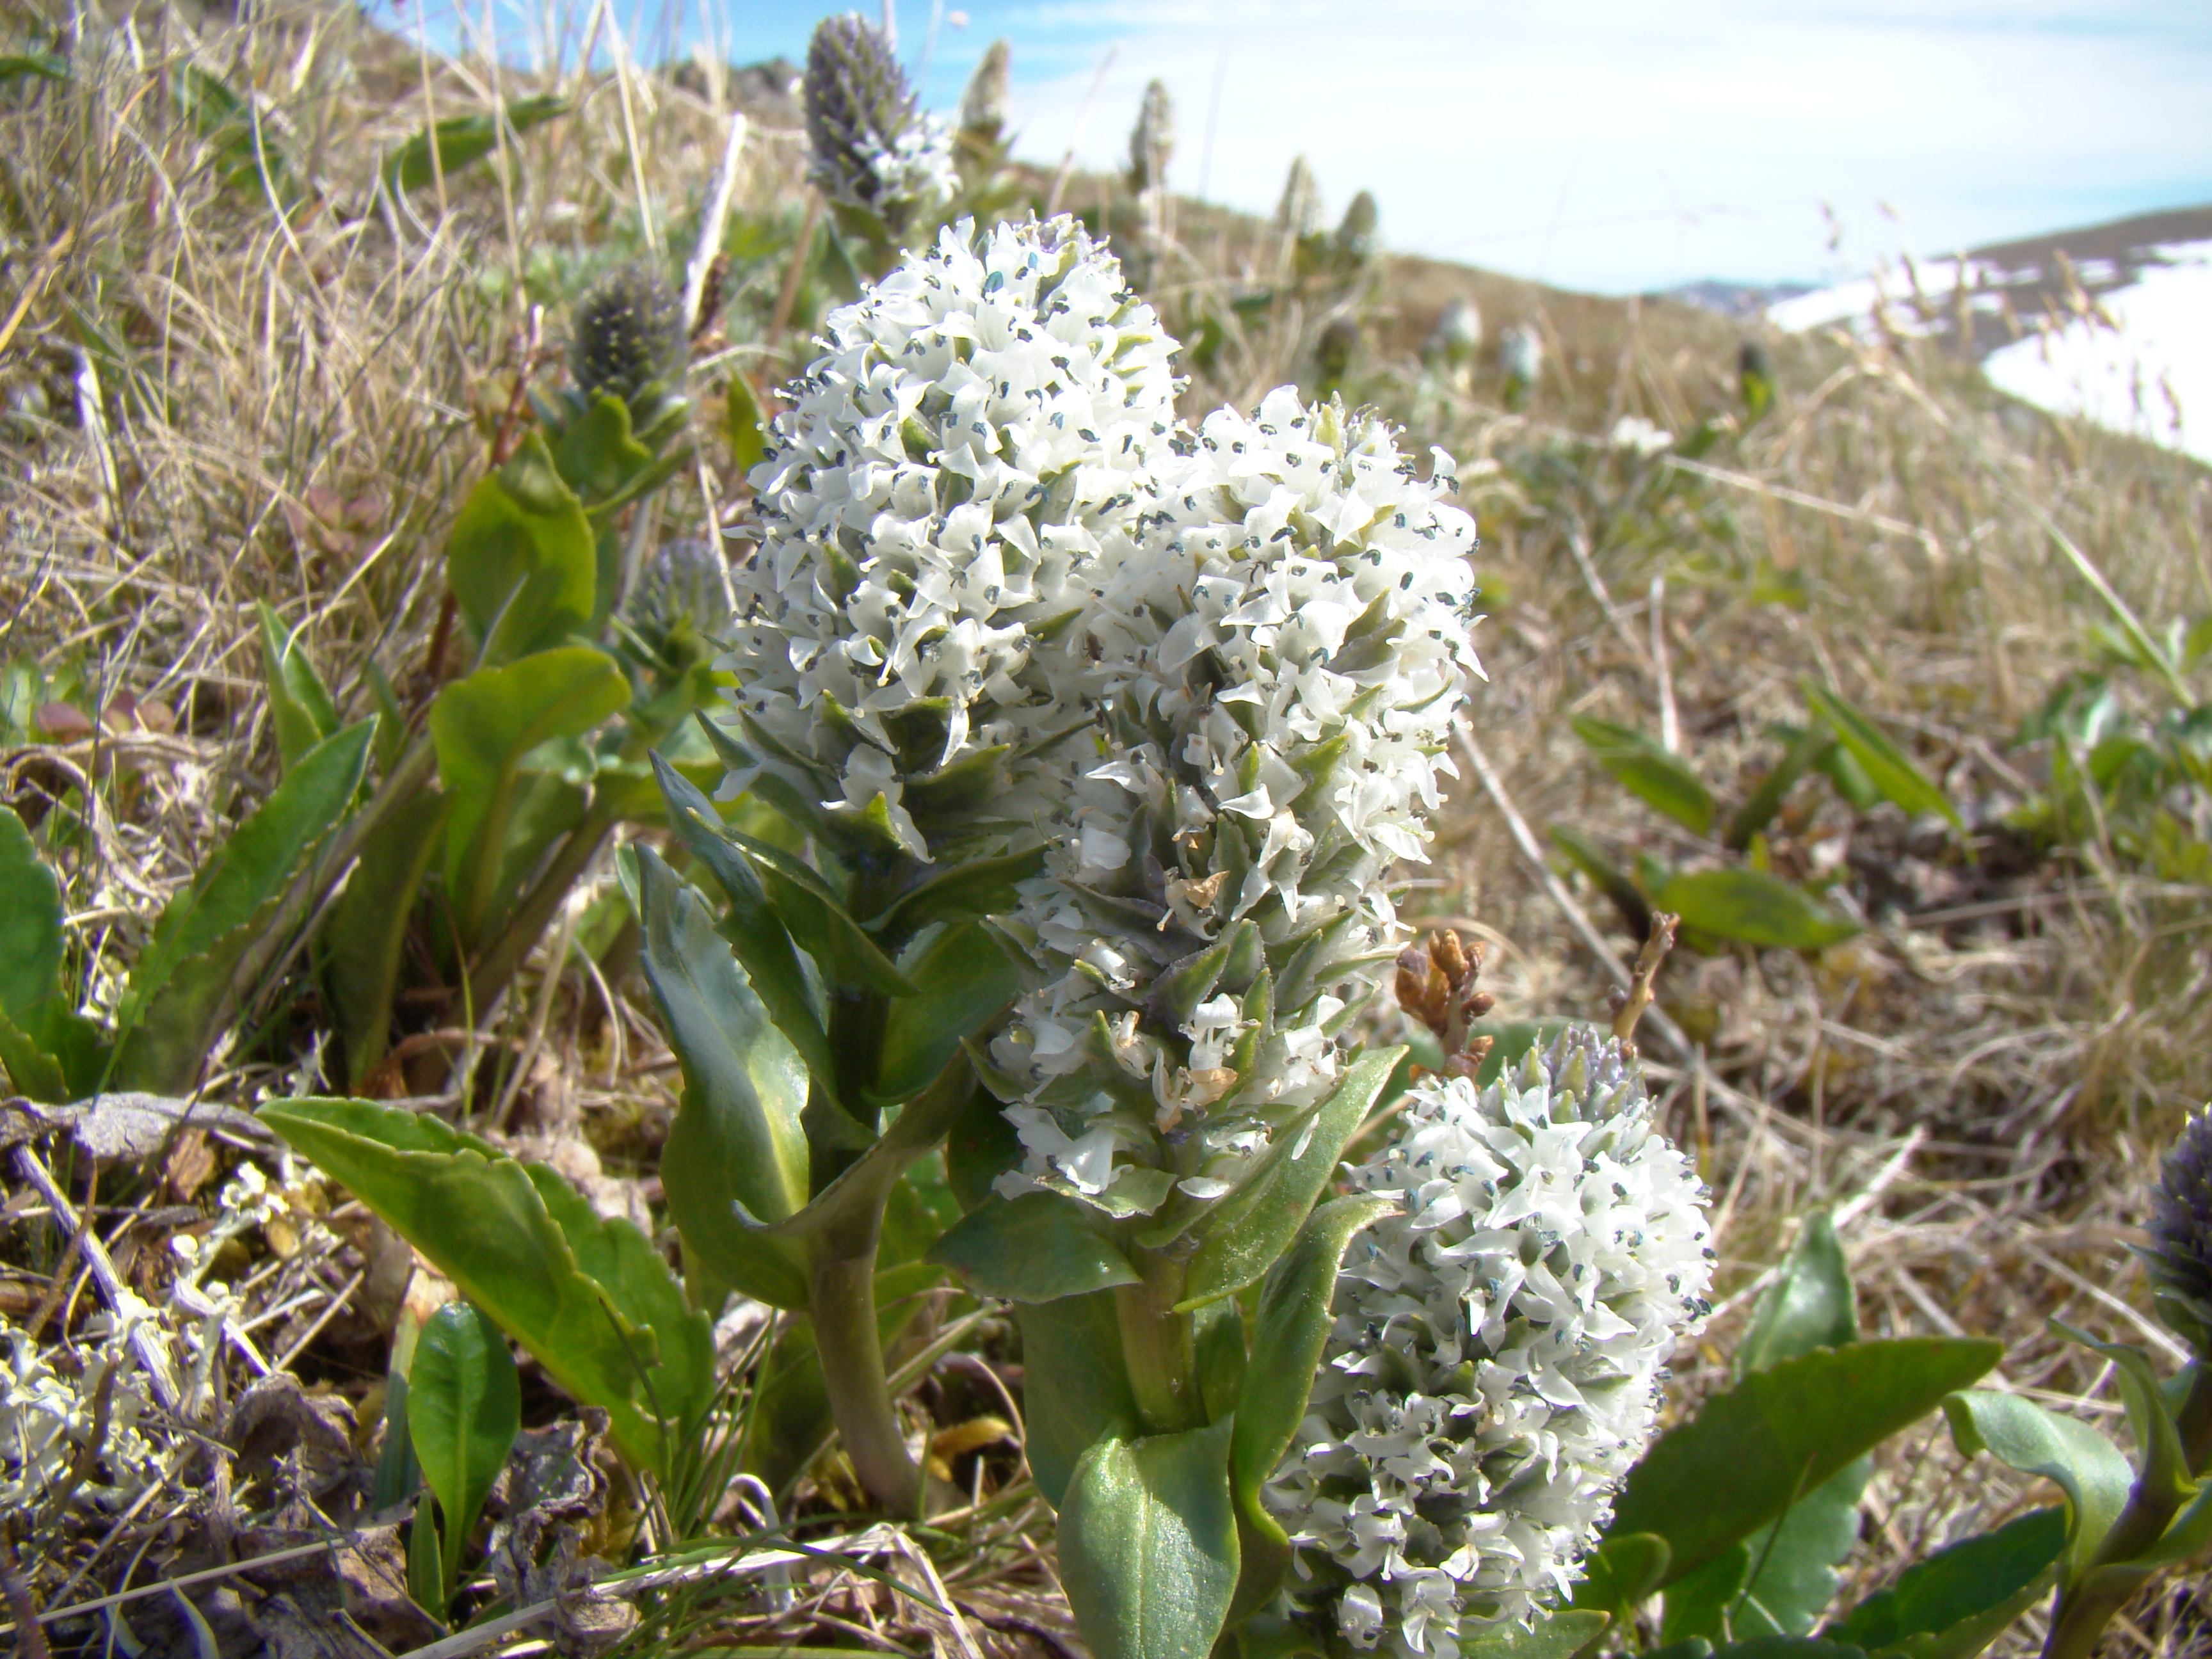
(843, 1304)
(2078, 1624)
(1159, 1346)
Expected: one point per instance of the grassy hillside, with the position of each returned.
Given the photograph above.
(255, 350)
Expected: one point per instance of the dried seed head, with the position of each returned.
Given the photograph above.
(984, 105)
(1152, 143)
(2180, 1258)
(629, 333)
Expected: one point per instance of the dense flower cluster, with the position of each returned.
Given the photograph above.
(48, 1416)
(629, 333)
(2180, 1254)
(1494, 1362)
(971, 441)
(872, 146)
(1280, 660)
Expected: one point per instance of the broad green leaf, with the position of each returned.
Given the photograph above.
(1782, 1432)
(966, 892)
(1789, 1647)
(1810, 1305)
(1076, 1384)
(1794, 1561)
(522, 560)
(1698, 1603)
(762, 943)
(1553, 1635)
(463, 139)
(921, 1210)
(1886, 766)
(30, 927)
(849, 958)
(1266, 1637)
(1248, 1229)
(30, 1070)
(1624, 1572)
(299, 702)
(597, 457)
(746, 427)
(611, 1338)
(736, 1158)
(367, 935)
(2022, 1435)
(1148, 1544)
(1961, 1599)
(182, 989)
(464, 1410)
(965, 981)
(2162, 1471)
(1649, 772)
(1288, 1336)
(482, 727)
(1753, 908)
(981, 1146)
(1036, 1248)
(1608, 877)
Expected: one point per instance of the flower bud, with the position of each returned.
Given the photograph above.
(985, 104)
(1492, 1372)
(1358, 236)
(681, 601)
(2179, 1257)
(1299, 211)
(628, 333)
(872, 147)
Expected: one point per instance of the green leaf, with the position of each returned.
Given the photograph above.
(1288, 1337)
(966, 892)
(426, 1566)
(522, 559)
(746, 427)
(1794, 1561)
(367, 935)
(600, 460)
(30, 927)
(736, 1159)
(464, 1410)
(591, 1299)
(31, 1071)
(848, 957)
(1036, 1248)
(461, 140)
(1557, 1636)
(1886, 766)
(1782, 1432)
(46, 65)
(482, 727)
(299, 702)
(1961, 1599)
(2163, 1474)
(2021, 1435)
(1148, 1544)
(1810, 1305)
(1806, 750)
(965, 981)
(182, 989)
(1649, 772)
(1077, 1387)
(1698, 1603)
(1789, 1647)
(1248, 1229)
(1753, 908)
(763, 944)
(1608, 877)
(1624, 1572)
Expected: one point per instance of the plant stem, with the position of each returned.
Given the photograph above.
(843, 1303)
(1159, 1346)
(2195, 1419)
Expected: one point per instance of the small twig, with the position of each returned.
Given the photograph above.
(104, 1275)
(1637, 997)
(1668, 1032)
(1670, 723)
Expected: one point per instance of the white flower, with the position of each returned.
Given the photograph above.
(1494, 1362)
(1278, 662)
(1639, 437)
(969, 445)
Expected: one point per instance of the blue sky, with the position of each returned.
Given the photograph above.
(1609, 145)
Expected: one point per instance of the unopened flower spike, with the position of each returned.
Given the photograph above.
(2179, 1256)
(1151, 141)
(968, 447)
(873, 150)
(1493, 1368)
(628, 334)
(988, 97)
(1281, 657)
